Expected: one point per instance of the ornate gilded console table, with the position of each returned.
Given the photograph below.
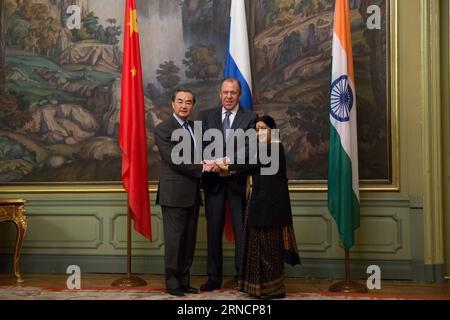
(14, 210)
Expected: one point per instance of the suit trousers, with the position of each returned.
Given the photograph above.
(180, 234)
(215, 218)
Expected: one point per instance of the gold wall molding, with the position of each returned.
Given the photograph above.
(432, 130)
(445, 16)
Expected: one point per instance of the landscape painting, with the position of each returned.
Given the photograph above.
(60, 87)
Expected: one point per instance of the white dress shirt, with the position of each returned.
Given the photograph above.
(232, 115)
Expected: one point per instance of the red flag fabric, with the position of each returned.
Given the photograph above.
(228, 229)
(132, 130)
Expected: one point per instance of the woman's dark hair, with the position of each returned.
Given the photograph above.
(268, 120)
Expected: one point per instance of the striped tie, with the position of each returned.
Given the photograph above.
(226, 124)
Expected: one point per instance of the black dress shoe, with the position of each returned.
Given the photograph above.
(176, 292)
(210, 286)
(190, 290)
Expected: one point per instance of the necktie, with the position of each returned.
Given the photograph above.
(186, 127)
(226, 124)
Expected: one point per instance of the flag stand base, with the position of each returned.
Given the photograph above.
(348, 287)
(131, 281)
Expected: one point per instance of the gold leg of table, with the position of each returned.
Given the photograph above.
(21, 229)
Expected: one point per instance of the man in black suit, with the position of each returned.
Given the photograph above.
(179, 194)
(219, 189)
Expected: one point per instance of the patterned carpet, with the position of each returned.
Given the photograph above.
(55, 293)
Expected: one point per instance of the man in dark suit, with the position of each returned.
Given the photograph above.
(219, 189)
(179, 194)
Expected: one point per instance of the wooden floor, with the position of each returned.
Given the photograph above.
(388, 288)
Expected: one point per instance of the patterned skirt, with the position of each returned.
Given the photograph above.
(265, 251)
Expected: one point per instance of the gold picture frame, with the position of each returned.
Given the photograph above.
(391, 185)
(392, 71)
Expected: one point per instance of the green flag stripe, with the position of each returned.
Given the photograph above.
(343, 203)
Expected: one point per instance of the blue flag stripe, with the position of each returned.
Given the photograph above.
(232, 70)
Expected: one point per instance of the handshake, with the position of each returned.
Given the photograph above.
(219, 166)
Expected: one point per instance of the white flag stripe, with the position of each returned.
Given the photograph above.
(339, 69)
(239, 49)
(339, 66)
(346, 130)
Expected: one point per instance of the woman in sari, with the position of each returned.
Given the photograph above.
(269, 239)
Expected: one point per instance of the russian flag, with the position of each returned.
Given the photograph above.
(237, 63)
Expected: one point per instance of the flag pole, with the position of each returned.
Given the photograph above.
(129, 280)
(348, 286)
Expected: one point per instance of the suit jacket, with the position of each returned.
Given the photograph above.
(269, 203)
(212, 119)
(179, 185)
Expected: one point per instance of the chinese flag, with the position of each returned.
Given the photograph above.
(132, 131)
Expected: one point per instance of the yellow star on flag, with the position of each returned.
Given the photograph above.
(133, 22)
(133, 72)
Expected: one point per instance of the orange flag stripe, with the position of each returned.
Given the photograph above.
(342, 29)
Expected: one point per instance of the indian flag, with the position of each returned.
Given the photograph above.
(343, 178)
